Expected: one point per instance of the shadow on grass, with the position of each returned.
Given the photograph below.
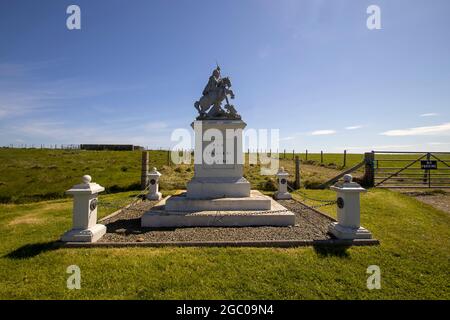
(125, 226)
(332, 251)
(32, 250)
(132, 226)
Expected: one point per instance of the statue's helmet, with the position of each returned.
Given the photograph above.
(216, 72)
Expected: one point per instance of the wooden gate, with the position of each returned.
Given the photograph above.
(411, 169)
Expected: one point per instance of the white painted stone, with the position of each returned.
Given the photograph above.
(159, 216)
(181, 202)
(153, 187)
(84, 217)
(348, 211)
(223, 179)
(282, 193)
(218, 194)
(342, 232)
(210, 188)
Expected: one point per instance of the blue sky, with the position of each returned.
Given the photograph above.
(309, 68)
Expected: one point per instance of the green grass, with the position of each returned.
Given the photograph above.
(42, 174)
(413, 257)
(329, 159)
(39, 174)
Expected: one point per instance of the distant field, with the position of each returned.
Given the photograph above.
(329, 159)
(35, 174)
(41, 174)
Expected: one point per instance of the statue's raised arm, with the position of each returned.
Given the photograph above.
(217, 89)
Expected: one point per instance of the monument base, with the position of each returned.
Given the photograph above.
(84, 235)
(224, 212)
(341, 232)
(154, 196)
(221, 187)
(282, 196)
(182, 202)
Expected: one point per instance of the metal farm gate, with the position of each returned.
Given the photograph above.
(411, 169)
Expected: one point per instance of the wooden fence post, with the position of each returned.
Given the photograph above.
(297, 172)
(345, 159)
(168, 157)
(144, 170)
(306, 155)
(321, 156)
(369, 171)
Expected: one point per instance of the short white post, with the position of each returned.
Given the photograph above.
(85, 227)
(282, 192)
(153, 186)
(348, 211)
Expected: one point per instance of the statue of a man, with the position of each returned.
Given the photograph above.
(213, 82)
(217, 90)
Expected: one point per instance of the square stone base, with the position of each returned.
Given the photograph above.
(256, 201)
(221, 187)
(341, 232)
(154, 196)
(84, 235)
(282, 195)
(213, 216)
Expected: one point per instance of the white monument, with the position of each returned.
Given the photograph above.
(220, 173)
(218, 194)
(85, 227)
(282, 193)
(153, 185)
(348, 211)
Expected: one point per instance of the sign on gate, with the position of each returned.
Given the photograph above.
(428, 164)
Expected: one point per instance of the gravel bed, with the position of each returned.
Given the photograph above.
(126, 227)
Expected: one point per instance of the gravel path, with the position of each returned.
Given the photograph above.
(438, 198)
(126, 227)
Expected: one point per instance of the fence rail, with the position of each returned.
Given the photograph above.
(411, 169)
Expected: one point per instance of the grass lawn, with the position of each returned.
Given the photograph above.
(43, 174)
(414, 257)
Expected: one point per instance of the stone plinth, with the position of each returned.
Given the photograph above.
(218, 195)
(85, 227)
(153, 185)
(348, 211)
(256, 201)
(218, 163)
(212, 213)
(282, 192)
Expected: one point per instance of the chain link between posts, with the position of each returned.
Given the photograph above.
(123, 204)
(323, 203)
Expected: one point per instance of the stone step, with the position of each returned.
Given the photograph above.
(256, 201)
(161, 215)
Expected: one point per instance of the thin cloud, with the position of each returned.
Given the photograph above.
(353, 127)
(322, 132)
(420, 131)
(389, 147)
(156, 125)
(438, 143)
(431, 114)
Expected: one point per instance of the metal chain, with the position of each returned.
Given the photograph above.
(114, 204)
(306, 197)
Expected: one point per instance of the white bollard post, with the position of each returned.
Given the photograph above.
(282, 192)
(85, 227)
(348, 211)
(153, 186)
